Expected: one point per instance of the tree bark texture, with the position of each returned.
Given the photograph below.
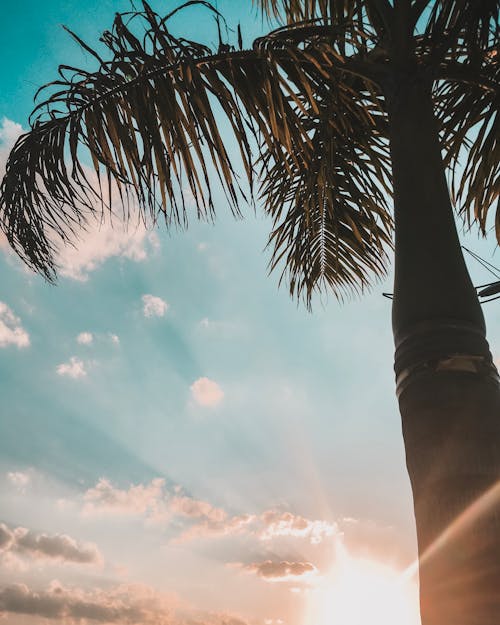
(448, 388)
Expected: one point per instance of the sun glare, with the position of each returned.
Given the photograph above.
(363, 592)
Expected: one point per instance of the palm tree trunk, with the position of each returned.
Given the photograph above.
(448, 387)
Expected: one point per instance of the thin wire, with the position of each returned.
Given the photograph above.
(488, 266)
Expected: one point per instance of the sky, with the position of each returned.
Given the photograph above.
(180, 442)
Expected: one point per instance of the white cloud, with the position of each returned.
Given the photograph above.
(206, 392)
(11, 329)
(19, 479)
(75, 368)
(103, 241)
(88, 338)
(154, 306)
(9, 133)
(85, 338)
(32, 545)
(277, 523)
(100, 241)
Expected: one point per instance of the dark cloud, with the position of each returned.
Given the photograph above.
(31, 544)
(282, 570)
(124, 604)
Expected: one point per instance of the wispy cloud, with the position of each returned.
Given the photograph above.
(19, 479)
(153, 306)
(156, 503)
(267, 526)
(11, 329)
(153, 501)
(32, 545)
(74, 368)
(140, 499)
(206, 392)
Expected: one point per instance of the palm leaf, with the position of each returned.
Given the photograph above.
(146, 118)
(333, 12)
(469, 111)
(147, 121)
(332, 225)
(461, 28)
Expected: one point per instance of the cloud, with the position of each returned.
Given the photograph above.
(155, 503)
(33, 545)
(9, 133)
(154, 306)
(100, 240)
(140, 499)
(11, 329)
(267, 526)
(85, 338)
(206, 392)
(282, 571)
(75, 368)
(198, 617)
(19, 479)
(127, 604)
(184, 506)
(227, 526)
(277, 523)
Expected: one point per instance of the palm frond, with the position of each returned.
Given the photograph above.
(333, 12)
(463, 29)
(332, 225)
(147, 122)
(469, 112)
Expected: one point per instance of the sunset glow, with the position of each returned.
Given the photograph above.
(360, 592)
(181, 441)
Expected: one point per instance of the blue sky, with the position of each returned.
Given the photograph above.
(179, 440)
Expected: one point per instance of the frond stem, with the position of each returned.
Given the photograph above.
(366, 70)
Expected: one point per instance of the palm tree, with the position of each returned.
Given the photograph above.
(346, 103)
